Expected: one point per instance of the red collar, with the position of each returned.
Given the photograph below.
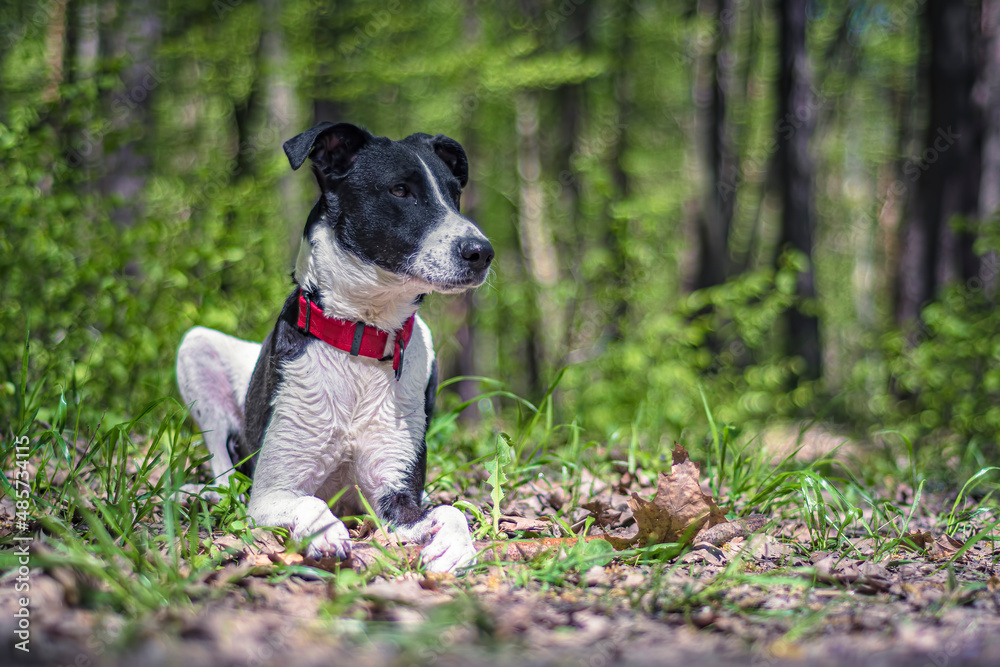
(356, 338)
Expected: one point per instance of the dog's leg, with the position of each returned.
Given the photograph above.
(305, 517)
(213, 372)
(294, 460)
(444, 532)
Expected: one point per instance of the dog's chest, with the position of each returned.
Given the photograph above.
(356, 423)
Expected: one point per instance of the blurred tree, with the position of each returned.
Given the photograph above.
(713, 265)
(938, 236)
(625, 161)
(129, 35)
(797, 110)
(987, 96)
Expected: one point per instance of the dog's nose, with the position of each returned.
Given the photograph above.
(477, 252)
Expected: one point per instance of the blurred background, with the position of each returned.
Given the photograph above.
(783, 209)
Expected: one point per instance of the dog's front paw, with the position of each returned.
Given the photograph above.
(329, 535)
(450, 547)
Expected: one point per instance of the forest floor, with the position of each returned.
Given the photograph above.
(911, 579)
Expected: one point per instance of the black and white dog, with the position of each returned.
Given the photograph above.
(341, 391)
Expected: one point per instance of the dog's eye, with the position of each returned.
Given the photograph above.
(399, 190)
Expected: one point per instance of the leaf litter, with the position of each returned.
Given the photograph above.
(750, 585)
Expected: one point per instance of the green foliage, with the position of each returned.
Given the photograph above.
(943, 375)
(583, 555)
(501, 459)
(719, 338)
(106, 266)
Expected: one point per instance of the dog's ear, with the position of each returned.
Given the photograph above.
(333, 148)
(450, 152)
(453, 155)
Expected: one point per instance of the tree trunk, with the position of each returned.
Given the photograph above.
(135, 35)
(988, 98)
(535, 239)
(797, 109)
(716, 221)
(946, 176)
(618, 230)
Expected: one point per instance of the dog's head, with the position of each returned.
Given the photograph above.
(395, 204)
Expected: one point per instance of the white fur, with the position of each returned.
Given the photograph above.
(352, 289)
(437, 262)
(449, 546)
(338, 420)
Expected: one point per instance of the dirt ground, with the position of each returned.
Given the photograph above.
(493, 623)
(758, 602)
(763, 598)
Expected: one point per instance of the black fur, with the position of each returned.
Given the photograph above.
(285, 342)
(401, 508)
(377, 199)
(430, 394)
(357, 172)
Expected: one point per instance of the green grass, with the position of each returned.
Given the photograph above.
(100, 509)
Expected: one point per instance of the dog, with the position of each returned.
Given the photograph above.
(339, 395)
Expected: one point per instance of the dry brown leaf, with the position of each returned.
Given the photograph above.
(725, 531)
(949, 543)
(938, 548)
(287, 558)
(945, 547)
(512, 524)
(922, 539)
(259, 560)
(680, 509)
(604, 515)
(654, 522)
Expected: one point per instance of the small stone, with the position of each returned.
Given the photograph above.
(703, 617)
(597, 576)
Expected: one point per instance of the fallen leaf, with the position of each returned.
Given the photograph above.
(922, 539)
(680, 509)
(287, 558)
(259, 560)
(511, 524)
(938, 548)
(725, 531)
(604, 515)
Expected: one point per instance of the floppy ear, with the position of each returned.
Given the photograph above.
(453, 155)
(448, 150)
(331, 147)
